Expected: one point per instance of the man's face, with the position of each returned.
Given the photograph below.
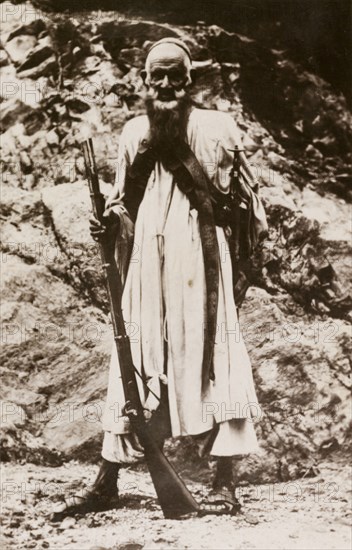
(167, 75)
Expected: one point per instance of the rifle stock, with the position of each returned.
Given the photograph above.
(174, 497)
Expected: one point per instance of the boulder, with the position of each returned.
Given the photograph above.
(46, 67)
(4, 59)
(70, 209)
(12, 16)
(20, 47)
(13, 111)
(118, 35)
(132, 57)
(313, 152)
(12, 415)
(75, 428)
(43, 338)
(299, 370)
(331, 213)
(34, 28)
(278, 162)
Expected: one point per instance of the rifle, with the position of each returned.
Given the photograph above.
(174, 497)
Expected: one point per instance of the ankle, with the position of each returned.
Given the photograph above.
(106, 480)
(224, 474)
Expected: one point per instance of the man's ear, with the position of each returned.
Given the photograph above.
(143, 75)
(193, 74)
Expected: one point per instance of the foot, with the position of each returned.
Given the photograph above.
(87, 501)
(221, 501)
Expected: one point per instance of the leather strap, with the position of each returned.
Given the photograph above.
(137, 176)
(192, 180)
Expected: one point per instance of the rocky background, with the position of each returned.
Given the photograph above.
(68, 75)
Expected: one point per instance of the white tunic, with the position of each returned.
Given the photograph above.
(165, 297)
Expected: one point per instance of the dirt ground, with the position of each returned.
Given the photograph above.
(312, 513)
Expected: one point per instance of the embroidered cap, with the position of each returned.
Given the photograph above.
(171, 40)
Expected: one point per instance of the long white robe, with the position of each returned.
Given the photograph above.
(165, 296)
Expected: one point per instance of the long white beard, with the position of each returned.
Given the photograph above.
(167, 119)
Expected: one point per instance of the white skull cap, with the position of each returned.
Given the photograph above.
(171, 40)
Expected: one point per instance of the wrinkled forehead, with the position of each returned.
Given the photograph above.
(167, 55)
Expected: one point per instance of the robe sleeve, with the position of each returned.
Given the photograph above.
(115, 208)
(114, 201)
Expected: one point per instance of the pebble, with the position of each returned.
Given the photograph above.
(313, 152)
(67, 523)
(52, 138)
(14, 523)
(36, 536)
(17, 511)
(4, 60)
(40, 521)
(29, 182)
(252, 520)
(130, 546)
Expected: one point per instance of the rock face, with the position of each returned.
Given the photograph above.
(69, 77)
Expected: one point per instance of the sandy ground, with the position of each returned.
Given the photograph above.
(312, 513)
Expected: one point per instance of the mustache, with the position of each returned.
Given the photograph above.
(153, 93)
(152, 99)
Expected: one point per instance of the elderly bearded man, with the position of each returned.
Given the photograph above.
(172, 280)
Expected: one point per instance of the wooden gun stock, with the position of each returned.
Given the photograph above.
(174, 497)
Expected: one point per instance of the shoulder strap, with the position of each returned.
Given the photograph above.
(190, 171)
(137, 176)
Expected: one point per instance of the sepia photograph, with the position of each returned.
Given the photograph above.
(175, 270)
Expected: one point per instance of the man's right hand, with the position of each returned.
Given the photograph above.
(100, 231)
